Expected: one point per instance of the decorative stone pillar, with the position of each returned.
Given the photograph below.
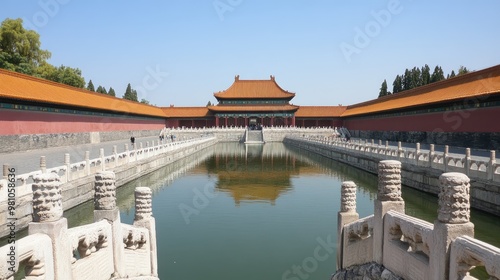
(47, 219)
(467, 160)
(490, 170)
(452, 222)
(388, 198)
(144, 218)
(346, 215)
(105, 208)
(43, 164)
(431, 155)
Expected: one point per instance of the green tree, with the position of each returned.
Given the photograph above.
(144, 101)
(209, 104)
(111, 91)
(397, 85)
(69, 76)
(101, 89)
(383, 89)
(20, 48)
(452, 74)
(90, 86)
(462, 70)
(426, 74)
(130, 94)
(437, 75)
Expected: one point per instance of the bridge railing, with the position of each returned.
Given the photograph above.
(105, 249)
(410, 247)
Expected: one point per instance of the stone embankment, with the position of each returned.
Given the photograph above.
(77, 178)
(368, 271)
(421, 168)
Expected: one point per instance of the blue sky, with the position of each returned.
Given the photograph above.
(328, 52)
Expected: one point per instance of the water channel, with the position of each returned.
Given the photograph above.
(257, 212)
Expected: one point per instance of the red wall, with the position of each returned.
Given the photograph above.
(467, 120)
(25, 122)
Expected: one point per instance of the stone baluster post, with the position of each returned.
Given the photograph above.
(445, 158)
(144, 218)
(43, 164)
(431, 154)
(452, 222)
(115, 154)
(386, 147)
(346, 215)
(87, 163)
(417, 152)
(127, 153)
(105, 208)
(103, 161)
(491, 165)
(401, 153)
(467, 160)
(68, 166)
(48, 219)
(380, 142)
(6, 168)
(388, 198)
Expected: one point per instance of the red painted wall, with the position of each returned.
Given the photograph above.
(25, 122)
(467, 120)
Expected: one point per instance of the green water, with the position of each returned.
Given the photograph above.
(257, 212)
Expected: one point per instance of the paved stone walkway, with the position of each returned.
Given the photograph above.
(29, 161)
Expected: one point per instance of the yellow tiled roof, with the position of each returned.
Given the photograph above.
(186, 112)
(260, 89)
(320, 111)
(27, 88)
(472, 85)
(224, 108)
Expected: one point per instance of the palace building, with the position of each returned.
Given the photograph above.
(254, 103)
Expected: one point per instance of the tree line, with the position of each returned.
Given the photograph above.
(416, 77)
(20, 51)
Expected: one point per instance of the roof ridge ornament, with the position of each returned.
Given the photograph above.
(272, 78)
(237, 78)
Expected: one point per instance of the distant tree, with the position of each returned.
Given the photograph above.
(383, 89)
(462, 70)
(90, 86)
(20, 48)
(437, 75)
(209, 104)
(101, 89)
(130, 94)
(144, 101)
(452, 74)
(397, 85)
(111, 91)
(426, 74)
(62, 74)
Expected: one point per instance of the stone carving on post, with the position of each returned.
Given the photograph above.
(47, 219)
(105, 191)
(47, 198)
(452, 222)
(105, 208)
(346, 215)
(388, 198)
(144, 218)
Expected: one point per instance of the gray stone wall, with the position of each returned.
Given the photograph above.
(25, 142)
(475, 140)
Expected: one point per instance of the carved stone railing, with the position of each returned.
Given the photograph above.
(474, 167)
(410, 247)
(467, 253)
(105, 249)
